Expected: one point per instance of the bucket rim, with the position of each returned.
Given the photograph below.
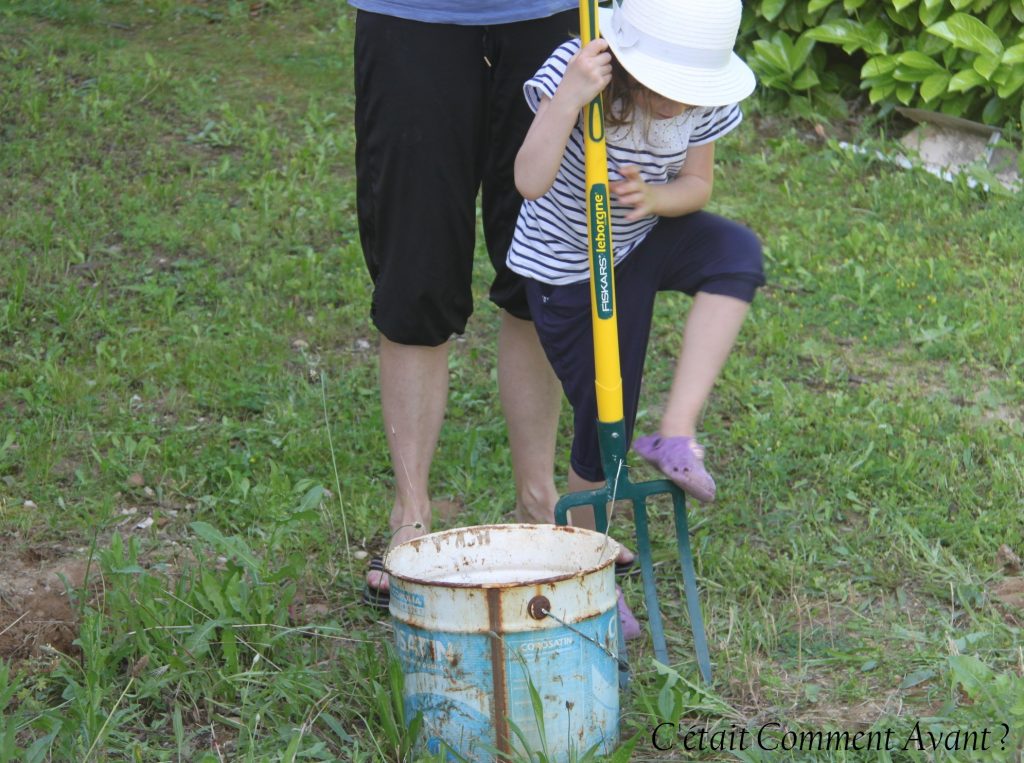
(555, 578)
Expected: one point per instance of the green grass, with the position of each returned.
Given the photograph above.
(184, 332)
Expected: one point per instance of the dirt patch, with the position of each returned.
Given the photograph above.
(1008, 592)
(1009, 597)
(36, 612)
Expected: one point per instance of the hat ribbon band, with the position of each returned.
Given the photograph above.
(628, 37)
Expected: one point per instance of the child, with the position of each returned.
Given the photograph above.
(670, 84)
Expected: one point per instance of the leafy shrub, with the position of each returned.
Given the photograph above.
(961, 57)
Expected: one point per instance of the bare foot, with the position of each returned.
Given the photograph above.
(377, 578)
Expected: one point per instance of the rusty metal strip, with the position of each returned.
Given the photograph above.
(499, 706)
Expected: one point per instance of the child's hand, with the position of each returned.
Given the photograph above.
(633, 192)
(588, 73)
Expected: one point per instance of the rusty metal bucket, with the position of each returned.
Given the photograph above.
(481, 613)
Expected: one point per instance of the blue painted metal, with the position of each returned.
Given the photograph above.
(470, 649)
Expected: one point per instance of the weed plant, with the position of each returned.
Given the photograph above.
(188, 399)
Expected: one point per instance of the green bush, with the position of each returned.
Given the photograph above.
(960, 57)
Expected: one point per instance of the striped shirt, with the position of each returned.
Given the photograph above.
(550, 241)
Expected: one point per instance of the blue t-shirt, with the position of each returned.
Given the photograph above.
(468, 12)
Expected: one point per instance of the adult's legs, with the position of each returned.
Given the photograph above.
(530, 392)
(418, 171)
(413, 396)
(414, 393)
(531, 398)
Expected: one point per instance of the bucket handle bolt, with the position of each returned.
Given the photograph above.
(538, 607)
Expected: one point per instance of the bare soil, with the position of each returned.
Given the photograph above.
(37, 614)
(1009, 596)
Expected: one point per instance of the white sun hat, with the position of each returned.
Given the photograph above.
(680, 49)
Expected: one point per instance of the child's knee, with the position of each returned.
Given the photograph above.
(745, 246)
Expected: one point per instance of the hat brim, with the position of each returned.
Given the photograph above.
(694, 86)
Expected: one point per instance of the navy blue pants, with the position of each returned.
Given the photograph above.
(697, 252)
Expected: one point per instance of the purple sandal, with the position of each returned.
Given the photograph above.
(627, 620)
(681, 459)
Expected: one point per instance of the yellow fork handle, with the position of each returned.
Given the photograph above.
(608, 373)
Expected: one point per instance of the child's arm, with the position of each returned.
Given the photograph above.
(540, 156)
(687, 192)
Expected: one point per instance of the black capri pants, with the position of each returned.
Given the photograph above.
(440, 112)
(696, 252)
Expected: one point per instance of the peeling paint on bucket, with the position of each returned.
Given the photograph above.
(470, 613)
